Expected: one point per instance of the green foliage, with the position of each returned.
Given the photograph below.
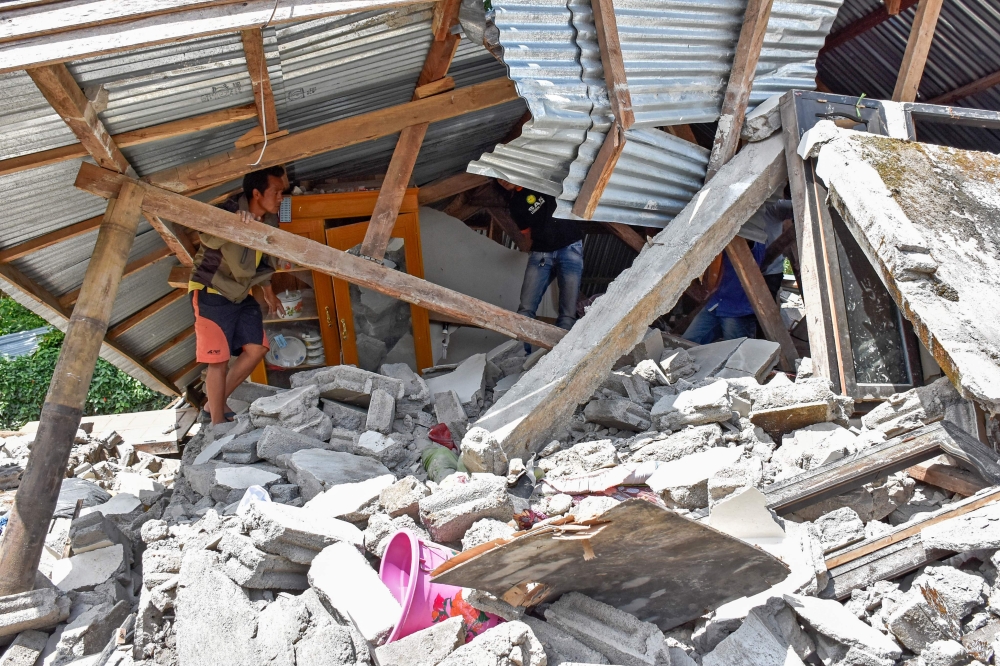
(15, 318)
(24, 381)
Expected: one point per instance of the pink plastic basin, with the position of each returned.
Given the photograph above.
(406, 570)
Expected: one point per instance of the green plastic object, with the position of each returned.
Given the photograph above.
(439, 462)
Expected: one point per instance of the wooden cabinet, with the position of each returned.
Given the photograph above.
(342, 314)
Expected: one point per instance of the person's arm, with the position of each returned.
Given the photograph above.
(274, 305)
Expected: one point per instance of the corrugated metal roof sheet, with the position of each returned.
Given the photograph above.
(30, 124)
(176, 358)
(148, 335)
(23, 343)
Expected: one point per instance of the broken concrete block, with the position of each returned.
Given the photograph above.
(650, 348)
(505, 385)
(763, 121)
(315, 471)
(296, 533)
(468, 380)
(481, 452)
(815, 445)
(345, 416)
(87, 634)
(240, 477)
(387, 450)
(679, 444)
(449, 513)
(416, 393)
(582, 457)
(960, 592)
(979, 529)
(143, 487)
(685, 481)
(920, 618)
(424, 648)
(25, 650)
(637, 390)
(592, 507)
(708, 404)
(561, 647)
(873, 501)
(905, 411)
(484, 531)
(944, 653)
(677, 364)
(744, 473)
(508, 643)
(622, 638)
(829, 618)
(38, 609)
(840, 528)
(287, 407)
(712, 357)
(753, 358)
(90, 569)
(403, 496)
(94, 531)
(255, 569)
(622, 414)
(242, 449)
(449, 411)
(345, 383)
(745, 515)
(780, 408)
(120, 504)
(346, 582)
(381, 412)
(72, 490)
(350, 501)
(314, 423)
(753, 644)
(484, 601)
(216, 623)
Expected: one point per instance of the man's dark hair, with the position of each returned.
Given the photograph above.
(258, 180)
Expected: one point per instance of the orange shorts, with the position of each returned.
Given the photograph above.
(222, 327)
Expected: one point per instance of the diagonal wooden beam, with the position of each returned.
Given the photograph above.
(599, 173)
(968, 90)
(50, 239)
(613, 63)
(627, 234)
(68, 299)
(232, 165)
(449, 186)
(64, 95)
(137, 137)
(178, 241)
(142, 315)
(862, 25)
(253, 49)
(918, 46)
(311, 254)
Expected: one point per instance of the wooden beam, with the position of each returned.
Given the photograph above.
(445, 16)
(64, 95)
(390, 196)
(179, 277)
(968, 90)
(438, 60)
(49, 239)
(764, 306)
(442, 85)
(893, 7)
(627, 234)
(253, 50)
(449, 186)
(611, 59)
(156, 306)
(232, 165)
(734, 104)
(503, 219)
(35, 502)
(178, 242)
(169, 344)
(861, 26)
(545, 396)
(600, 173)
(310, 254)
(137, 137)
(68, 299)
(948, 477)
(49, 37)
(917, 47)
(682, 132)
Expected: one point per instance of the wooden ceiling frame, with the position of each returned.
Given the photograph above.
(918, 47)
(863, 25)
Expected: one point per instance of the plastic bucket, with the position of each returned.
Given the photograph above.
(406, 570)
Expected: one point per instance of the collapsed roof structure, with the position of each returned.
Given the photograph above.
(620, 495)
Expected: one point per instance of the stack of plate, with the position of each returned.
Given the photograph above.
(293, 354)
(315, 354)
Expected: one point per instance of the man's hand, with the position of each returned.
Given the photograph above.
(274, 305)
(247, 217)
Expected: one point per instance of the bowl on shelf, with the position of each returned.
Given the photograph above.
(289, 355)
(291, 301)
(312, 339)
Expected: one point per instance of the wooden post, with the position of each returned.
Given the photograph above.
(917, 48)
(627, 234)
(35, 501)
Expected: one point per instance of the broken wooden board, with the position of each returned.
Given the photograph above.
(947, 477)
(644, 559)
(543, 400)
(158, 432)
(928, 219)
(780, 420)
(894, 455)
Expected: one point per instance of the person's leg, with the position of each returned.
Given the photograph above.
(703, 329)
(569, 271)
(215, 391)
(738, 327)
(244, 365)
(537, 277)
(211, 315)
(250, 338)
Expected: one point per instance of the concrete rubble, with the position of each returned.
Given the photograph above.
(172, 549)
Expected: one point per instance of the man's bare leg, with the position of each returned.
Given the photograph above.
(242, 367)
(215, 389)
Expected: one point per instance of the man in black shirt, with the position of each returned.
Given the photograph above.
(556, 252)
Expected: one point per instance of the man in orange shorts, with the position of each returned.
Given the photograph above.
(227, 320)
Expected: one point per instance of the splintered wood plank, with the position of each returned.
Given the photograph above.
(310, 254)
(627, 234)
(599, 174)
(253, 50)
(224, 167)
(950, 478)
(780, 420)
(918, 46)
(546, 396)
(449, 187)
(179, 277)
(670, 551)
(615, 79)
(968, 90)
(179, 243)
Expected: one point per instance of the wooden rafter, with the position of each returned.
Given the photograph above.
(68, 299)
(46, 35)
(682, 132)
(600, 173)
(918, 46)
(176, 239)
(862, 25)
(449, 187)
(627, 234)
(142, 315)
(253, 49)
(137, 137)
(231, 165)
(50, 239)
(968, 90)
(318, 257)
(64, 95)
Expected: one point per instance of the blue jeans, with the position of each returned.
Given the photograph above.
(707, 327)
(565, 265)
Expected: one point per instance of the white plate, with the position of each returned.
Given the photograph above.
(289, 356)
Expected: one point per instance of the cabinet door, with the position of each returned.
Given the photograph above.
(376, 328)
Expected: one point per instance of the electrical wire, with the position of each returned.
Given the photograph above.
(263, 113)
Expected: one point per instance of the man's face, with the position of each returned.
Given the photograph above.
(270, 200)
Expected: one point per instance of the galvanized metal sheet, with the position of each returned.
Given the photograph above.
(149, 334)
(176, 358)
(29, 123)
